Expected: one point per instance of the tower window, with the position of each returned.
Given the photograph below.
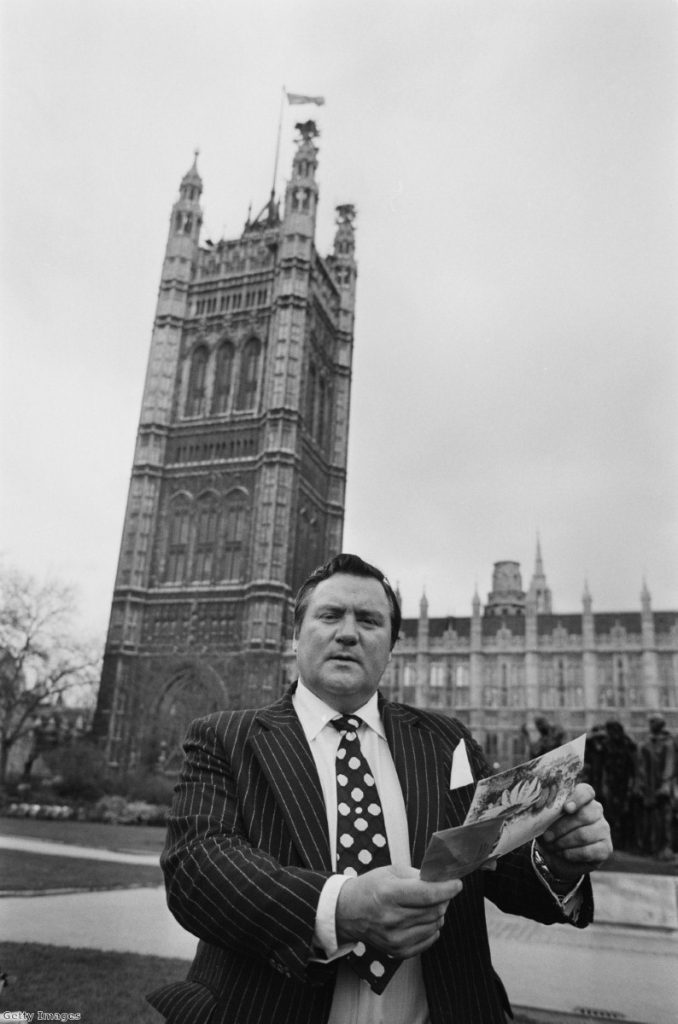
(322, 411)
(222, 379)
(177, 548)
(310, 398)
(234, 536)
(249, 375)
(205, 540)
(195, 398)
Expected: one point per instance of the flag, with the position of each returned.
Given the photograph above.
(296, 98)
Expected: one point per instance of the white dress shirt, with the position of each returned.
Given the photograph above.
(404, 999)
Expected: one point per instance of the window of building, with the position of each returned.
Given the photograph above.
(438, 675)
(234, 538)
(195, 397)
(222, 378)
(320, 431)
(206, 538)
(560, 683)
(310, 398)
(249, 374)
(491, 745)
(177, 546)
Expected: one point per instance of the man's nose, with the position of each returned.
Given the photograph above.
(347, 633)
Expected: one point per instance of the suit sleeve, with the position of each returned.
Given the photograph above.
(220, 886)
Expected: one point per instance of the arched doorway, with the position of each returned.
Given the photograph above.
(195, 689)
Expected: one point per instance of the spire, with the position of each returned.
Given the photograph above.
(185, 220)
(423, 605)
(645, 598)
(538, 566)
(539, 595)
(192, 180)
(587, 600)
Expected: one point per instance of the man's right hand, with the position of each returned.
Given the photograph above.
(392, 909)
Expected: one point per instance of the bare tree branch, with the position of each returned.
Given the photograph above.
(42, 658)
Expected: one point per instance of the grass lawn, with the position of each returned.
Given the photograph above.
(122, 838)
(20, 870)
(106, 988)
(109, 988)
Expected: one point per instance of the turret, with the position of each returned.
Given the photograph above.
(186, 218)
(342, 263)
(301, 194)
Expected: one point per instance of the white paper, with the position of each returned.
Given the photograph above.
(507, 810)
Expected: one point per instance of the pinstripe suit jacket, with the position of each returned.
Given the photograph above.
(247, 855)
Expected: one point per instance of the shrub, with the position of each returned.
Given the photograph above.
(80, 771)
(150, 787)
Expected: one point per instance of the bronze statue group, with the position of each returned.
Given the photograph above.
(637, 784)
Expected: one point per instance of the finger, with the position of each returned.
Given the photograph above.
(405, 941)
(427, 894)
(581, 795)
(587, 814)
(395, 919)
(587, 835)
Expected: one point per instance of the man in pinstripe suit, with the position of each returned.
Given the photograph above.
(250, 855)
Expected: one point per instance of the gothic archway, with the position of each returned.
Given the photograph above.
(194, 689)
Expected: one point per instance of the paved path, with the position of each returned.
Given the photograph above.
(603, 971)
(127, 920)
(599, 972)
(68, 850)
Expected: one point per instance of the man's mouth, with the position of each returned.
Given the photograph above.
(343, 657)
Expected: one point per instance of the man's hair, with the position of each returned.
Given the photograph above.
(351, 565)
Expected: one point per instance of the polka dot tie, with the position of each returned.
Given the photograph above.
(361, 838)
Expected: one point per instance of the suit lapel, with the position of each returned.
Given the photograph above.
(287, 762)
(423, 775)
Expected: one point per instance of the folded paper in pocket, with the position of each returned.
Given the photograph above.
(461, 774)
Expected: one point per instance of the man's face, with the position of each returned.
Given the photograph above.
(344, 641)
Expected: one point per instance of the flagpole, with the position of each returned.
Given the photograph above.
(277, 145)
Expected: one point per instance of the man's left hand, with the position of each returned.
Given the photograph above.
(579, 840)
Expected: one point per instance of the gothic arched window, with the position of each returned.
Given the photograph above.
(195, 397)
(249, 374)
(322, 411)
(310, 398)
(177, 541)
(206, 538)
(222, 378)
(234, 537)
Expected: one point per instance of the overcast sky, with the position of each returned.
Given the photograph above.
(514, 167)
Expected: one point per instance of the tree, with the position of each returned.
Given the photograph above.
(42, 660)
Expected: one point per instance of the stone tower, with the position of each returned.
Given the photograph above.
(238, 480)
(507, 596)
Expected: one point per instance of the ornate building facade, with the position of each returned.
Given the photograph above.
(516, 658)
(238, 480)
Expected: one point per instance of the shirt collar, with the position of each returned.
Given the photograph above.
(314, 714)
